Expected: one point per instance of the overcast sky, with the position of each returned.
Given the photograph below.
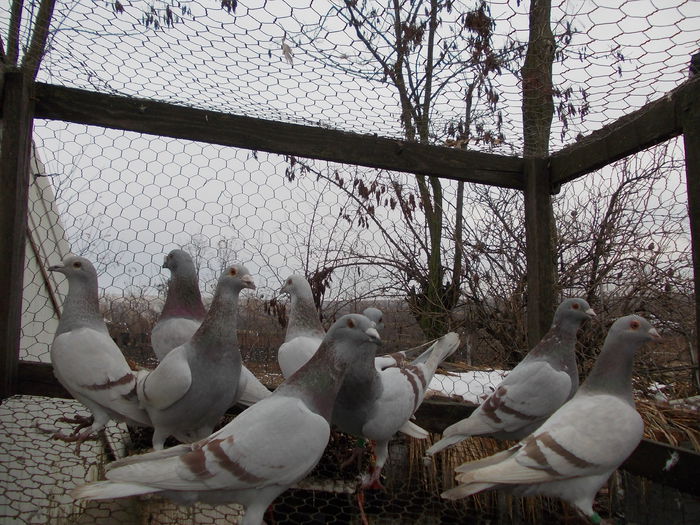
(128, 198)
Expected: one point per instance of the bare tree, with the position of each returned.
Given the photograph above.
(404, 45)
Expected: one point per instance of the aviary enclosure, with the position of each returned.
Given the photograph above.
(462, 166)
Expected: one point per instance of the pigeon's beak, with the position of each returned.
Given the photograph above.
(373, 335)
(165, 262)
(56, 268)
(590, 312)
(654, 335)
(248, 282)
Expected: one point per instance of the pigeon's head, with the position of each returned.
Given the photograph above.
(178, 259)
(375, 314)
(352, 333)
(76, 269)
(574, 310)
(295, 284)
(634, 329)
(237, 277)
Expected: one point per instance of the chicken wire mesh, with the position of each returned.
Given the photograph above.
(333, 63)
(125, 199)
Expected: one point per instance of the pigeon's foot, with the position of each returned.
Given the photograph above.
(76, 437)
(372, 480)
(81, 421)
(361, 506)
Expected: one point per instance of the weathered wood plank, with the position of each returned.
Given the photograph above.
(648, 460)
(14, 181)
(653, 124)
(158, 118)
(691, 139)
(37, 379)
(540, 250)
(655, 461)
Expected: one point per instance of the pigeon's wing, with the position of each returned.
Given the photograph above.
(531, 392)
(277, 441)
(166, 384)
(250, 389)
(404, 357)
(402, 392)
(170, 333)
(588, 436)
(295, 353)
(90, 365)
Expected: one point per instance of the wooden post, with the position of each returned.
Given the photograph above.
(691, 138)
(541, 264)
(14, 180)
(538, 111)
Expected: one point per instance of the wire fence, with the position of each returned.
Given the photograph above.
(125, 199)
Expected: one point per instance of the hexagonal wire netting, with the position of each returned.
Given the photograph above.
(125, 199)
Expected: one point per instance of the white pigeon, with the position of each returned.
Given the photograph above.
(304, 330)
(85, 359)
(183, 313)
(376, 315)
(193, 386)
(265, 450)
(577, 449)
(542, 382)
(375, 404)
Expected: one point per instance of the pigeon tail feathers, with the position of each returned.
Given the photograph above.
(110, 489)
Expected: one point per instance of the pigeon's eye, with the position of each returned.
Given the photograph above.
(351, 323)
(575, 306)
(77, 264)
(232, 271)
(289, 281)
(634, 325)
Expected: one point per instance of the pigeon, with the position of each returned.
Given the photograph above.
(376, 315)
(265, 450)
(183, 310)
(376, 404)
(542, 382)
(304, 330)
(574, 452)
(85, 359)
(182, 315)
(195, 383)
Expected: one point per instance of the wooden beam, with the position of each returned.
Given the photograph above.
(655, 461)
(169, 120)
(540, 250)
(653, 124)
(691, 139)
(14, 183)
(648, 460)
(37, 379)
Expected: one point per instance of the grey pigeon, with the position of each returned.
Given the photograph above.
(542, 382)
(85, 359)
(265, 450)
(193, 386)
(183, 310)
(304, 330)
(375, 404)
(376, 315)
(182, 315)
(577, 449)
